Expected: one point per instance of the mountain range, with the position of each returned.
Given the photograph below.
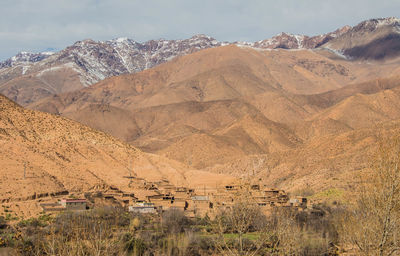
(293, 111)
(87, 62)
(219, 105)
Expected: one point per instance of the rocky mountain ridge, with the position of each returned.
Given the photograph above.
(291, 41)
(28, 77)
(25, 58)
(154, 52)
(135, 56)
(95, 61)
(373, 39)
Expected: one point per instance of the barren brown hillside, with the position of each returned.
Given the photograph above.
(247, 136)
(337, 142)
(223, 73)
(362, 111)
(231, 126)
(42, 83)
(330, 98)
(62, 155)
(332, 161)
(304, 115)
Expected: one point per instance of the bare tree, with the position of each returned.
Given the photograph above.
(374, 225)
(239, 219)
(288, 236)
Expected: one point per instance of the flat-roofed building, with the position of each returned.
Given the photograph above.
(143, 207)
(73, 204)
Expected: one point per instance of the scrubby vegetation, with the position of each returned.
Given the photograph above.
(240, 230)
(372, 225)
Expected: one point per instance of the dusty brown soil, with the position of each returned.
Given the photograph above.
(63, 155)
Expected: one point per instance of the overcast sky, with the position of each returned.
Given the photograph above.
(35, 25)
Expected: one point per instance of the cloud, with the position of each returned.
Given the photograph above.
(34, 25)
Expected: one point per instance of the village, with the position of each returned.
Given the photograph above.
(156, 197)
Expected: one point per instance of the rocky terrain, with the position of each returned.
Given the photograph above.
(290, 41)
(24, 58)
(60, 155)
(28, 77)
(371, 39)
(87, 62)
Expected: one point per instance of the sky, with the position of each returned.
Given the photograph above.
(36, 25)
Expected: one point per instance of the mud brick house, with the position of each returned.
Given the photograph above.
(74, 204)
(143, 207)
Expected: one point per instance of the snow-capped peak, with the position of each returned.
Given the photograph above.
(98, 60)
(202, 36)
(391, 21)
(373, 24)
(121, 39)
(23, 58)
(47, 53)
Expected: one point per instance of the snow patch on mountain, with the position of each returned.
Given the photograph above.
(95, 61)
(392, 21)
(25, 58)
(336, 52)
(24, 69)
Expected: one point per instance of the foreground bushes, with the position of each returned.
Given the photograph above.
(243, 230)
(238, 230)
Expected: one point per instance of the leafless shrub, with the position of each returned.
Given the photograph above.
(239, 219)
(174, 221)
(293, 238)
(373, 226)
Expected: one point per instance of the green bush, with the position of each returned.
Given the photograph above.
(3, 222)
